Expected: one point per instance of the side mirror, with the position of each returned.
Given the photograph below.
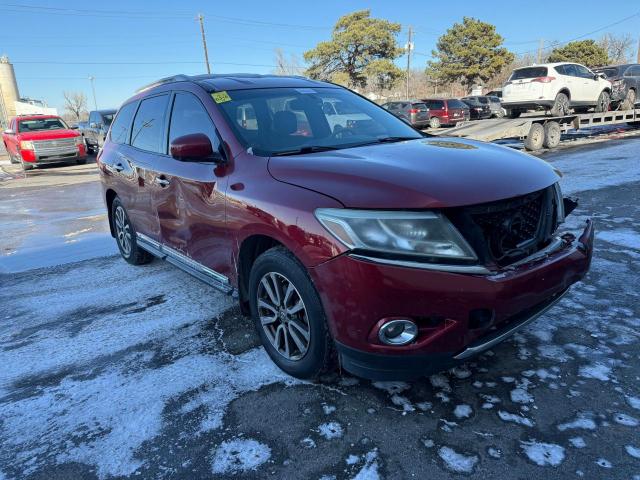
(8, 131)
(195, 147)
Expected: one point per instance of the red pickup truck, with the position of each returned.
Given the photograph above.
(37, 139)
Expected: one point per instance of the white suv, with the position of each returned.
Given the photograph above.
(557, 87)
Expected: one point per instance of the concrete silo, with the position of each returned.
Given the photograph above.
(9, 94)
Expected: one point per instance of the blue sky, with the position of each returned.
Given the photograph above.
(162, 33)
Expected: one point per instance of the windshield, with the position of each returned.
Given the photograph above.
(530, 72)
(39, 124)
(274, 121)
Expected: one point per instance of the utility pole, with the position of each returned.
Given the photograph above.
(204, 42)
(93, 88)
(409, 49)
(540, 50)
(638, 58)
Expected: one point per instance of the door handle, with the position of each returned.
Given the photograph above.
(161, 181)
(118, 167)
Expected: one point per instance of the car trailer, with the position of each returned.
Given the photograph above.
(540, 131)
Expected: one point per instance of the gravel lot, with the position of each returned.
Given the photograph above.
(114, 371)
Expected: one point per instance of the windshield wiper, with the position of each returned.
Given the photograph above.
(385, 140)
(306, 149)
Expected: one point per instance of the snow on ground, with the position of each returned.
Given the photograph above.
(330, 430)
(543, 454)
(457, 462)
(239, 455)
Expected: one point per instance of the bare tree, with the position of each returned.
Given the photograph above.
(287, 66)
(75, 103)
(619, 48)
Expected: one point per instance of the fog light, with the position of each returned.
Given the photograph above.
(398, 332)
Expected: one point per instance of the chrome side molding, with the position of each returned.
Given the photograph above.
(189, 265)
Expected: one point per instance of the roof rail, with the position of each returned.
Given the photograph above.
(174, 78)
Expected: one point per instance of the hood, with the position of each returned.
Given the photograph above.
(48, 134)
(425, 173)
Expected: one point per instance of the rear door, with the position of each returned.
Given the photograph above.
(420, 113)
(189, 197)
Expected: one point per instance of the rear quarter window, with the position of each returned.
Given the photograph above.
(435, 104)
(529, 72)
(121, 126)
(148, 126)
(456, 104)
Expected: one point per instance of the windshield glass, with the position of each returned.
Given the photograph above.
(530, 72)
(39, 124)
(273, 121)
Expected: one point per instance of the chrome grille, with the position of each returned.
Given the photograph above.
(57, 146)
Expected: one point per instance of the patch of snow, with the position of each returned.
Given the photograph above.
(462, 411)
(515, 418)
(461, 372)
(403, 402)
(308, 442)
(634, 402)
(622, 237)
(598, 371)
(633, 451)
(494, 452)
(370, 469)
(427, 442)
(239, 455)
(604, 463)
(582, 421)
(577, 442)
(457, 462)
(392, 387)
(626, 420)
(328, 409)
(520, 395)
(330, 430)
(352, 459)
(543, 454)
(438, 380)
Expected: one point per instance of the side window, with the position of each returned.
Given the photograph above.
(189, 116)
(571, 70)
(633, 71)
(584, 72)
(561, 69)
(148, 126)
(121, 126)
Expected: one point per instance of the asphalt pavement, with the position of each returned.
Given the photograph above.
(113, 371)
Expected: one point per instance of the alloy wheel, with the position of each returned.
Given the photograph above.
(283, 316)
(123, 231)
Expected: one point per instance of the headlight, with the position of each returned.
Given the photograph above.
(559, 203)
(409, 233)
(26, 145)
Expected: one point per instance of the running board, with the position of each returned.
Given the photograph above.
(184, 263)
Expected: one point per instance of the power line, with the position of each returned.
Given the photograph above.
(198, 62)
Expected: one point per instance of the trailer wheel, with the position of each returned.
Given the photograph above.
(551, 135)
(535, 138)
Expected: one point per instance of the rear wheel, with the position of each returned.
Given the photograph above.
(434, 122)
(561, 105)
(535, 138)
(552, 135)
(126, 236)
(603, 102)
(288, 315)
(629, 101)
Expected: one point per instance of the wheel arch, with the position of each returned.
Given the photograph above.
(249, 250)
(566, 91)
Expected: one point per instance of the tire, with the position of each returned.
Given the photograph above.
(127, 245)
(535, 138)
(514, 113)
(561, 105)
(499, 114)
(291, 352)
(604, 100)
(552, 135)
(434, 122)
(629, 101)
(81, 161)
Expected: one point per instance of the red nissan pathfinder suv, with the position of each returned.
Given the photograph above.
(37, 139)
(348, 238)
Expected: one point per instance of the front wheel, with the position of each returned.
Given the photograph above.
(126, 236)
(561, 106)
(603, 102)
(288, 315)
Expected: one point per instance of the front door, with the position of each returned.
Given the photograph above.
(189, 197)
